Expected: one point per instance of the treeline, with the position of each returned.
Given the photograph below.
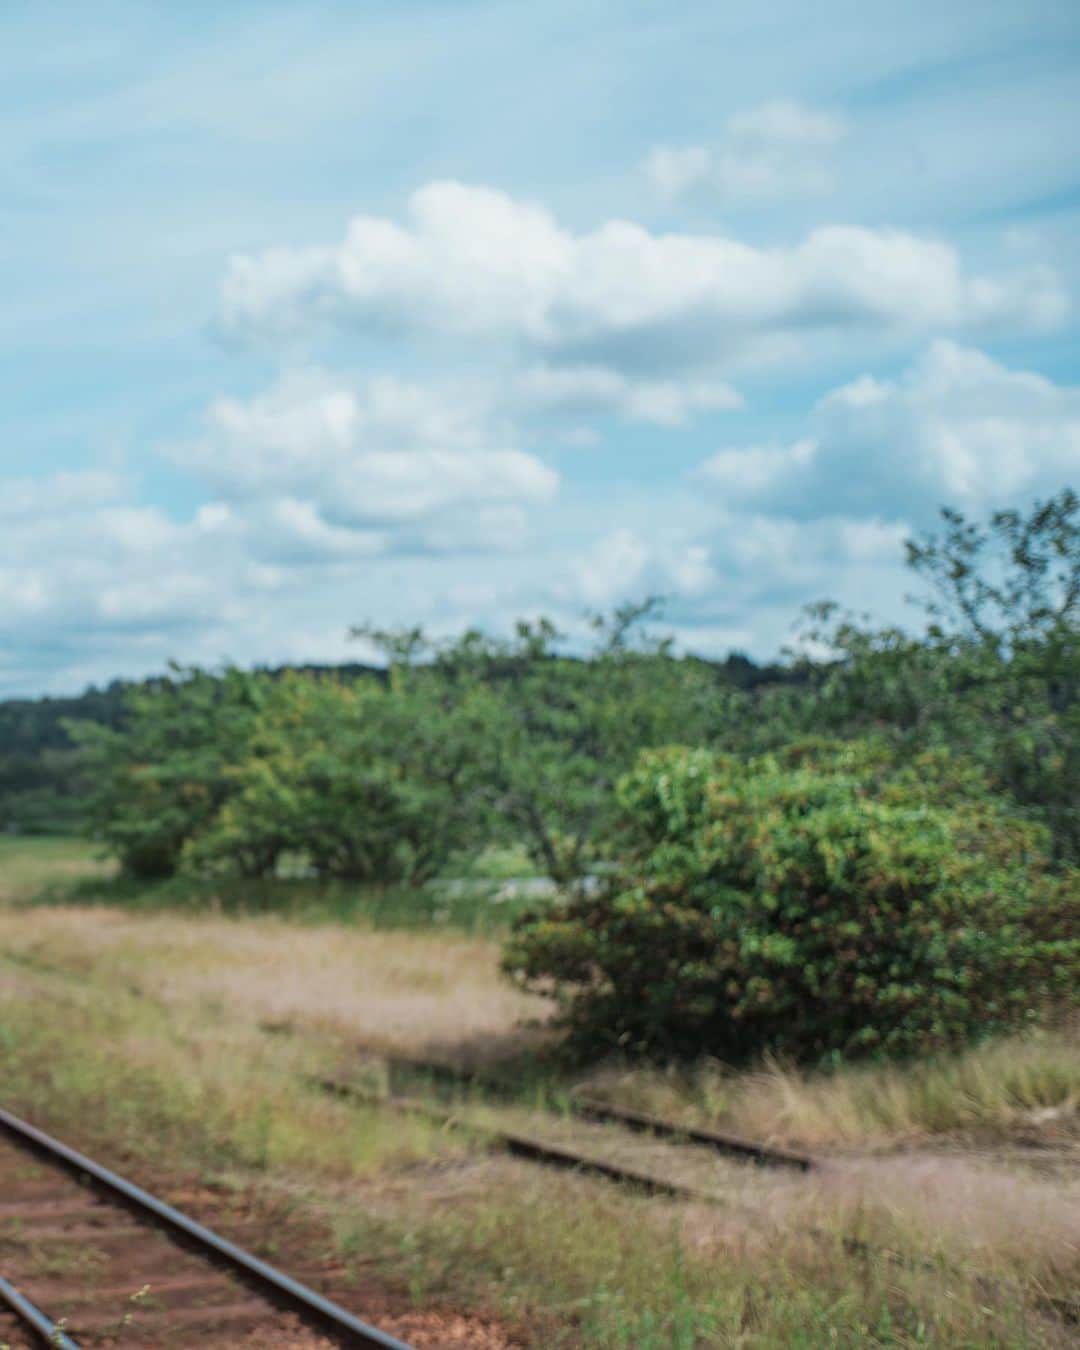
(43, 780)
(460, 743)
(43, 774)
(43, 785)
(874, 851)
(387, 777)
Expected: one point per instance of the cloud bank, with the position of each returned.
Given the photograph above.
(955, 427)
(474, 263)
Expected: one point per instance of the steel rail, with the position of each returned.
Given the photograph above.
(535, 1150)
(48, 1331)
(591, 1108)
(521, 1145)
(273, 1284)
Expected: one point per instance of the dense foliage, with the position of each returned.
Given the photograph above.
(871, 850)
(826, 900)
(45, 780)
(910, 885)
(162, 779)
(552, 734)
(995, 676)
(363, 782)
(384, 780)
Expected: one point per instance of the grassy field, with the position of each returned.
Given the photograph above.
(28, 865)
(178, 1032)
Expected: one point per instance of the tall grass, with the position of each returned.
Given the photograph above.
(998, 1090)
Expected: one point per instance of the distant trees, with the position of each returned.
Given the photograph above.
(43, 781)
(363, 782)
(464, 743)
(874, 852)
(162, 779)
(384, 780)
(534, 738)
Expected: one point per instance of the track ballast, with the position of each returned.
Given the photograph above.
(88, 1258)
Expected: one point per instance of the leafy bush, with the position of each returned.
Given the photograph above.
(824, 901)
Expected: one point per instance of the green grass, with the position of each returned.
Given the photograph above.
(28, 864)
(68, 871)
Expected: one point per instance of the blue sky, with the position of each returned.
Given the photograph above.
(453, 312)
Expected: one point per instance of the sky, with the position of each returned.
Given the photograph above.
(450, 312)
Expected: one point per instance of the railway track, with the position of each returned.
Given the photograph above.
(591, 1108)
(89, 1259)
(520, 1145)
(292, 1315)
(532, 1149)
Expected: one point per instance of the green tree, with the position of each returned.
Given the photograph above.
(163, 778)
(996, 674)
(554, 731)
(363, 782)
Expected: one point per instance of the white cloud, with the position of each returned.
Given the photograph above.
(583, 391)
(956, 427)
(779, 149)
(58, 493)
(336, 458)
(472, 262)
(88, 595)
(673, 169)
(291, 531)
(746, 473)
(741, 574)
(612, 568)
(65, 568)
(627, 564)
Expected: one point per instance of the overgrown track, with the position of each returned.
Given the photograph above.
(767, 1154)
(590, 1108)
(535, 1150)
(67, 1230)
(521, 1145)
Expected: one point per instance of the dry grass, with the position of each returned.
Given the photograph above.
(1003, 1222)
(413, 993)
(589, 1265)
(145, 1032)
(1022, 1087)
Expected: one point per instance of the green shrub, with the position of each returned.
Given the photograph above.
(819, 902)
